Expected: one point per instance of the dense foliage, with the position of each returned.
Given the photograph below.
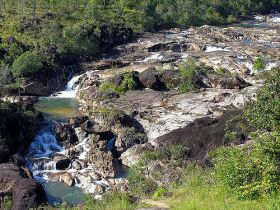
(252, 170)
(64, 31)
(27, 64)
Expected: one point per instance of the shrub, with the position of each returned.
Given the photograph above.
(160, 192)
(258, 64)
(253, 170)
(116, 201)
(187, 71)
(27, 64)
(138, 183)
(264, 113)
(5, 74)
(14, 51)
(128, 82)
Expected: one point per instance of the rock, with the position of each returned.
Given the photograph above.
(11, 40)
(224, 82)
(128, 137)
(93, 128)
(149, 79)
(26, 193)
(62, 177)
(134, 154)
(33, 88)
(78, 165)
(66, 134)
(77, 121)
(194, 47)
(99, 189)
(163, 173)
(170, 78)
(106, 164)
(62, 162)
(200, 136)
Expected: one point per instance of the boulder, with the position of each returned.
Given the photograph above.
(64, 177)
(94, 128)
(225, 82)
(149, 79)
(62, 162)
(105, 163)
(128, 137)
(33, 88)
(170, 78)
(66, 134)
(200, 136)
(77, 121)
(26, 193)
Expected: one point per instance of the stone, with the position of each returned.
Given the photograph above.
(62, 177)
(62, 162)
(26, 193)
(105, 163)
(33, 88)
(170, 78)
(77, 121)
(149, 79)
(66, 134)
(224, 82)
(200, 136)
(93, 128)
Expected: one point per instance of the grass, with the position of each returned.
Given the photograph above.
(199, 190)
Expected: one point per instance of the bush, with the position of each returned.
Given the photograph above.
(116, 201)
(258, 64)
(5, 75)
(27, 64)
(128, 83)
(187, 71)
(139, 184)
(264, 113)
(252, 171)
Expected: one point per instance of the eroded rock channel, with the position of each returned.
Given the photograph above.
(131, 103)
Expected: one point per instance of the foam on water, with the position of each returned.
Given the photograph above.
(71, 89)
(215, 49)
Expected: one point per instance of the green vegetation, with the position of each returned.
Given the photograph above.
(187, 71)
(127, 83)
(199, 189)
(66, 31)
(258, 65)
(116, 201)
(223, 71)
(27, 64)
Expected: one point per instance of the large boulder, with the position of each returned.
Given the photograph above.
(149, 79)
(64, 177)
(200, 136)
(225, 82)
(66, 134)
(62, 162)
(105, 162)
(33, 88)
(94, 128)
(26, 193)
(170, 78)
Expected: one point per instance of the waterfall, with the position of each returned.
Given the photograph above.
(71, 88)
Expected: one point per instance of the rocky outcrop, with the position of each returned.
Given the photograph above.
(19, 125)
(65, 134)
(149, 79)
(25, 192)
(202, 135)
(33, 88)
